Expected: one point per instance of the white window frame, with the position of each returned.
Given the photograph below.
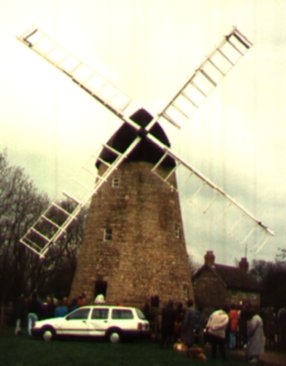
(178, 231)
(115, 182)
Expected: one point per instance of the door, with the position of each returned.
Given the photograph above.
(99, 321)
(100, 288)
(76, 323)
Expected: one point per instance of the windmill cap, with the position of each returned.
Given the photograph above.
(146, 150)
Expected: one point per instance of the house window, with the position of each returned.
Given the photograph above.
(115, 182)
(107, 235)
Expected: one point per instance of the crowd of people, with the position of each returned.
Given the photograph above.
(223, 328)
(29, 309)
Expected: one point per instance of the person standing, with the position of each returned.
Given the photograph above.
(48, 308)
(179, 316)
(167, 324)
(20, 314)
(255, 337)
(233, 326)
(281, 325)
(61, 308)
(189, 324)
(216, 332)
(242, 324)
(99, 299)
(34, 311)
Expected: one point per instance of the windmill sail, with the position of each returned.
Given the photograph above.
(55, 220)
(206, 77)
(83, 75)
(179, 110)
(204, 193)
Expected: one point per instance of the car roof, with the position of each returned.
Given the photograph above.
(107, 306)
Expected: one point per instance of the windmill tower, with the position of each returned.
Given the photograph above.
(134, 244)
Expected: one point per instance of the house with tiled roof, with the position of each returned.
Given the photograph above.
(219, 284)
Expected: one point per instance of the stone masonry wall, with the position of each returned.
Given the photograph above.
(210, 291)
(146, 256)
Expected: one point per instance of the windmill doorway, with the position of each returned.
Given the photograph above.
(100, 288)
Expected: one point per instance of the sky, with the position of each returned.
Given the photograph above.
(50, 127)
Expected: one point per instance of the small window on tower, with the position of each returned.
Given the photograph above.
(107, 236)
(115, 182)
(186, 291)
(178, 231)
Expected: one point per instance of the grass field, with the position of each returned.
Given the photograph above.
(26, 351)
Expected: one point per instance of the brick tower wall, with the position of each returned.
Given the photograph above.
(147, 253)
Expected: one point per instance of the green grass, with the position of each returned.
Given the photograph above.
(26, 351)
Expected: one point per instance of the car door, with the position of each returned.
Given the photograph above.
(76, 323)
(99, 321)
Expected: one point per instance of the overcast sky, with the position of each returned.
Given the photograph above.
(148, 49)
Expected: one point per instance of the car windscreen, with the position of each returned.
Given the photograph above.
(140, 314)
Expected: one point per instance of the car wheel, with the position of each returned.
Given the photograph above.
(114, 336)
(48, 334)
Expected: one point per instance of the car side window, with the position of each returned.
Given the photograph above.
(122, 314)
(79, 314)
(99, 314)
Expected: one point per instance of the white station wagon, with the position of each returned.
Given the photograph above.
(111, 322)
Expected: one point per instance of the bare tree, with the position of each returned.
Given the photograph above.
(60, 262)
(22, 271)
(281, 255)
(20, 204)
(272, 277)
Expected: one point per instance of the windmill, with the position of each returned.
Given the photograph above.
(134, 246)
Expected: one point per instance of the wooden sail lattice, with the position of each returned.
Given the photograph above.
(206, 77)
(56, 219)
(199, 191)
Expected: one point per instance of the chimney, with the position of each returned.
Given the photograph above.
(243, 264)
(209, 258)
